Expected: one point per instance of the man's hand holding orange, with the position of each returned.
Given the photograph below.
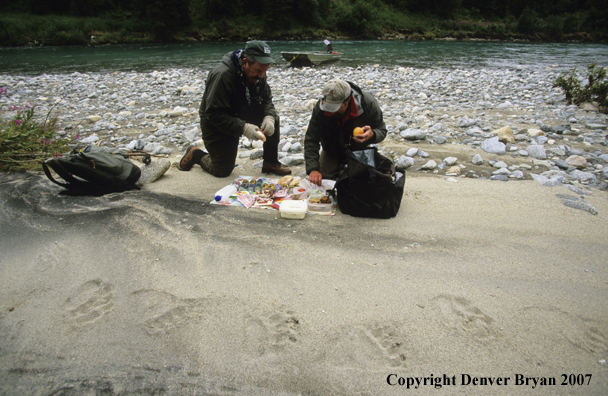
(362, 135)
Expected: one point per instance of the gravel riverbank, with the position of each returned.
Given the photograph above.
(502, 124)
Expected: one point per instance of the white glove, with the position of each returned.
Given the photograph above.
(268, 125)
(251, 131)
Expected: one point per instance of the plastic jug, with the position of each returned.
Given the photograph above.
(225, 192)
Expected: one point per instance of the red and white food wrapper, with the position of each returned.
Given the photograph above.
(247, 200)
(280, 194)
(262, 202)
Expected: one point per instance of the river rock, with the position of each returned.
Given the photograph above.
(90, 139)
(542, 163)
(289, 130)
(548, 182)
(292, 160)
(575, 202)
(493, 146)
(411, 152)
(477, 160)
(413, 134)
(505, 135)
(536, 132)
(453, 171)
(537, 151)
(191, 135)
(596, 126)
(449, 161)
(583, 176)
(296, 147)
(430, 165)
(577, 161)
(404, 162)
(256, 154)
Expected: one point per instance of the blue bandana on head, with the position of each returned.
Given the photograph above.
(237, 59)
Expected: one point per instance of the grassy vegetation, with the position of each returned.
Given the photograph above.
(26, 142)
(33, 30)
(215, 20)
(595, 89)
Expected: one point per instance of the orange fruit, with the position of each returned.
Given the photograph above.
(357, 131)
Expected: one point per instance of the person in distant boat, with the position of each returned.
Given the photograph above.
(237, 102)
(343, 108)
(328, 48)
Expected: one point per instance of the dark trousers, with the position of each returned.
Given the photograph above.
(223, 149)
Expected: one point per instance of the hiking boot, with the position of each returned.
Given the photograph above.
(277, 169)
(191, 157)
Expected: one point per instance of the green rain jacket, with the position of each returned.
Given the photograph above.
(224, 108)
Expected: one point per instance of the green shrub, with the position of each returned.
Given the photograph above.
(596, 88)
(25, 142)
(527, 22)
(359, 18)
(70, 38)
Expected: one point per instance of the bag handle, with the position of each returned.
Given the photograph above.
(60, 170)
(45, 168)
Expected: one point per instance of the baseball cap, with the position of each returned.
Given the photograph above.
(335, 92)
(260, 50)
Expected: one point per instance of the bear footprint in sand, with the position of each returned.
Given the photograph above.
(368, 347)
(162, 312)
(270, 332)
(460, 314)
(91, 301)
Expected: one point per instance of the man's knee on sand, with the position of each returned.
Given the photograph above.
(217, 168)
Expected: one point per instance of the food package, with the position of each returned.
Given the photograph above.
(299, 193)
(285, 180)
(293, 209)
(320, 205)
(295, 181)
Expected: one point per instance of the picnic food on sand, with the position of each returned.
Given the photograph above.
(295, 181)
(285, 180)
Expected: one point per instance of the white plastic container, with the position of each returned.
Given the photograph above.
(319, 207)
(293, 209)
(225, 192)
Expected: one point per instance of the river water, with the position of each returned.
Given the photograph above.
(421, 54)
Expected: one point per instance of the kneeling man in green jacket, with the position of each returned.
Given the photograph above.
(237, 102)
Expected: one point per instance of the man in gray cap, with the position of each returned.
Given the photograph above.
(237, 102)
(343, 108)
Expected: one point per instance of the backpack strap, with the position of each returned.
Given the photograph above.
(72, 182)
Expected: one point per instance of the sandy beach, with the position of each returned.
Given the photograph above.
(487, 287)
(477, 287)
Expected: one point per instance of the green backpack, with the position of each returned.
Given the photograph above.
(94, 170)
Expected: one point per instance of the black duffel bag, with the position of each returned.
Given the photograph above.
(369, 186)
